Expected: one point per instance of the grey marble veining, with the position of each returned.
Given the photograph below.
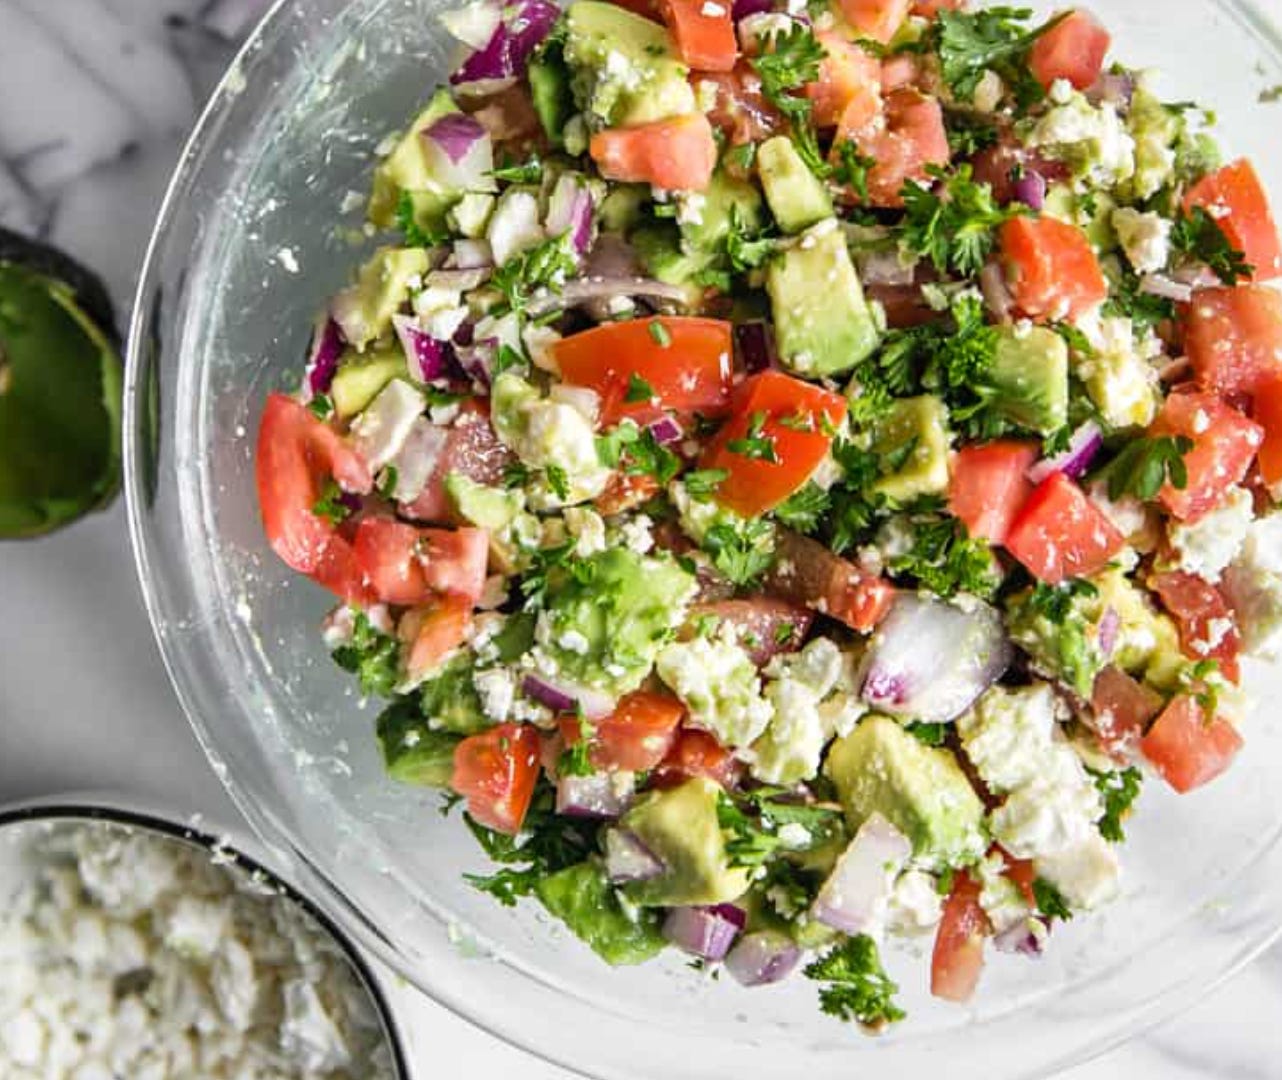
(95, 99)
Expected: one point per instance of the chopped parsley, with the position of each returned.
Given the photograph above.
(741, 552)
(857, 986)
(526, 172)
(702, 483)
(929, 734)
(331, 505)
(992, 39)
(754, 444)
(558, 481)
(954, 229)
(659, 333)
(1054, 603)
(1145, 310)
(637, 452)
(576, 760)
(791, 61)
(946, 561)
(416, 234)
(1199, 236)
(1050, 901)
(388, 480)
(638, 389)
(1119, 790)
(372, 656)
(1145, 464)
(321, 406)
(751, 830)
(545, 266)
(852, 168)
(804, 508)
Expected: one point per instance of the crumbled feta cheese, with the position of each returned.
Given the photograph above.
(588, 529)
(636, 534)
(497, 690)
(1206, 546)
(1009, 734)
(717, 681)
(1253, 585)
(1001, 898)
(1093, 138)
(794, 836)
(381, 430)
(1048, 816)
(1145, 237)
(1087, 874)
(915, 905)
(1121, 381)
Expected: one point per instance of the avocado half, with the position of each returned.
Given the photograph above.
(60, 383)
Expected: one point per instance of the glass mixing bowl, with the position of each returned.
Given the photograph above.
(251, 241)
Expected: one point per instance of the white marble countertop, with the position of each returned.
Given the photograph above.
(95, 98)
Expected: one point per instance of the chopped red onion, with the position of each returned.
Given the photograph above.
(666, 431)
(458, 280)
(1030, 189)
(570, 211)
(743, 8)
(707, 932)
(1021, 938)
(931, 659)
(1083, 448)
(471, 255)
(507, 54)
(566, 697)
(477, 358)
(459, 153)
(628, 859)
(998, 298)
(424, 355)
(1165, 287)
(885, 268)
(754, 346)
(1112, 88)
(601, 795)
(762, 957)
(854, 898)
(1110, 625)
(588, 290)
(323, 356)
(473, 24)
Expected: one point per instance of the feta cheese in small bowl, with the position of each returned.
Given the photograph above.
(134, 946)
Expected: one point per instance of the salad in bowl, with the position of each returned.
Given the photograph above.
(795, 474)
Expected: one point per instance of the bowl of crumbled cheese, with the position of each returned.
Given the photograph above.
(134, 947)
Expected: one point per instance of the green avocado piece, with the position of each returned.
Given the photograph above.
(60, 379)
(911, 440)
(880, 768)
(364, 310)
(1030, 376)
(623, 67)
(406, 168)
(1064, 203)
(728, 203)
(1148, 643)
(680, 827)
(449, 702)
(484, 506)
(658, 246)
(582, 898)
(620, 210)
(1067, 649)
(796, 196)
(823, 324)
(359, 379)
(412, 752)
(550, 89)
(617, 610)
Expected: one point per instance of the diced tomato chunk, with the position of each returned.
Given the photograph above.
(686, 363)
(1051, 268)
(764, 626)
(876, 19)
(434, 631)
(496, 771)
(740, 111)
(626, 492)
(696, 753)
(928, 9)
(1204, 617)
(471, 449)
(847, 72)
(903, 141)
(958, 957)
(407, 565)
(1267, 412)
(704, 33)
(1061, 534)
(1233, 337)
(806, 572)
(1236, 199)
(1021, 872)
(900, 71)
(296, 455)
(1186, 748)
(989, 485)
(1073, 50)
(780, 431)
(638, 735)
(1121, 708)
(1224, 444)
(677, 154)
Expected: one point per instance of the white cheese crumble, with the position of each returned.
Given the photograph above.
(133, 955)
(1206, 546)
(1145, 237)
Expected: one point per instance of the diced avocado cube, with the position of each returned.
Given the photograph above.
(449, 700)
(623, 69)
(1030, 376)
(406, 168)
(550, 90)
(470, 215)
(1147, 641)
(582, 898)
(796, 196)
(911, 440)
(880, 768)
(484, 506)
(364, 310)
(727, 203)
(412, 752)
(659, 249)
(360, 379)
(1066, 649)
(823, 324)
(620, 210)
(680, 827)
(1095, 216)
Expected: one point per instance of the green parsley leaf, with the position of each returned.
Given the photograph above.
(945, 560)
(1054, 603)
(930, 734)
(969, 133)
(1050, 901)
(638, 390)
(558, 481)
(516, 474)
(372, 656)
(546, 266)
(947, 879)
(804, 508)
(547, 566)
(1119, 790)
(994, 38)
(704, 482)
(791, 60)
(526, 172)
(330, 505)
(1199, 236)
(416, 235)
(955, 228)
(441, 398)
(321, 407)
(754, 445)
(387, 481)
(1145, 464)
(1204, 681)
(659, 333)
(741, 553)
(576, 760)
(784, 633)
(852, 168)
(858, 987)
(1145, 310)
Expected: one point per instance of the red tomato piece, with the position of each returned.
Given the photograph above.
(1233, 337)
(847, 72)
(1236, 199)
(900, 71)
(876, 19)
(780, 431)
(1061, 534)
(677, 154)
(434, 631)
(740, 111)
(685, 361)
(471, 448)
(1187, 749)
(496, 771)
(296, 454)
(1204, 617)
(1021, 872)
(928, 9)
(903, 141)
(1051, 268)
(1224, 444)
(1267, 412)
(1121, 709)
(764, 626)
(807, 573)
(704, 33)
(696, 753)
(958, 957)
(638, 735)
(1073, 49)
(625, 492)
(989, 485)
(407, 565)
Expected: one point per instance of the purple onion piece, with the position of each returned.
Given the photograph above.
(731, 913)
(700, 931)
(1112, 88)
(350, 500)
(1110, 625)
(601, 795)
(561, 697)
(583, 291)
(762, 958)
(507, 54)
(459, 153)
(1167, 288)
(666, 431)
(1021, 938)
(853, 897)
(424, 355)
(998, 298)
(885, 688)
(628, 859)
(471, 255)
(1083, 448)
(743, 8)
(570, 211)
(477, 358)
(323, 356)
(456, 134)
(754, 346)
(1030, 189)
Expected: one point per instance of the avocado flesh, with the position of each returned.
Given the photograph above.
(1030, 376)
(406, 168)
(359, 379)
(796, 196)
(412, 752)
(582, 898)
(912, 442)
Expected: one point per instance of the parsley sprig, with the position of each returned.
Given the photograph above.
(372, 656)
(1145, 464)
(791, 59)
(945, 560)
(804, 508)
(1119, 790)
(1050, 901)
(1199, 236)
(858, 987)
(547, 265)
(993, 39)
(754, 444)
(751, 824)
(331, 505)
(954, 227)
(741, 551)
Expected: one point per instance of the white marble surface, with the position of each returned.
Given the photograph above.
(95, 97)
